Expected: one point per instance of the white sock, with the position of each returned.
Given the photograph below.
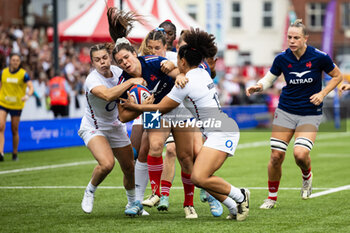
(236, 194)
(141, 179)
(130, 194)
(231, 205)
(91, 188)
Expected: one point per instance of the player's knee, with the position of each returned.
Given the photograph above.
(14, 130)
(171, 150)
(106, 167)
(186, 160)
(128, 169)
(197, 180)
(156, 147)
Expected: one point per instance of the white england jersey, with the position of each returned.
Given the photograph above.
(171, 56)
(201, 98)
(101, 114)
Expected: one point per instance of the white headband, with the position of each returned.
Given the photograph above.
(122, 40)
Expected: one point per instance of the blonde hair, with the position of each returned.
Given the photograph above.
(157, 34)
(298, 23)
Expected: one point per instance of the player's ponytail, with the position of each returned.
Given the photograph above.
(120, 25)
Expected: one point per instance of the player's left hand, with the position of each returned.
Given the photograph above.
(181, 80)
(166, 66)
(129, 104)
(317, 98)
(150, 99)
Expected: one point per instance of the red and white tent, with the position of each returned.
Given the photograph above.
(168, 9)
(91, 25)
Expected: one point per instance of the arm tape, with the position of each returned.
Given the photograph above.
(267, 80)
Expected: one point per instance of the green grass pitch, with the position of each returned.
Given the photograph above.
(48, 199)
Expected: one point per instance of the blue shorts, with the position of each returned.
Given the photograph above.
(12, 112)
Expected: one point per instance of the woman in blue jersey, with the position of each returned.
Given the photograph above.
(159, 83)
(299, 110)
(200, 97)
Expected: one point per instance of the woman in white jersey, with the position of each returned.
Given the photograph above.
(200, 97)
(102, 132)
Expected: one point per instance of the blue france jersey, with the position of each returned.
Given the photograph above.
(204, 65)
(158, 83)
(303, 78)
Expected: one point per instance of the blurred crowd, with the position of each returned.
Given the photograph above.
(74, 64)
(37, 57)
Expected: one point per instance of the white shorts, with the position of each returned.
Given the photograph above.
(292, 121)
(117, 137)
(222, 141)
(138, 120)
(180, 113)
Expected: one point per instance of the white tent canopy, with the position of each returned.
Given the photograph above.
(168, 10)
(91, 25)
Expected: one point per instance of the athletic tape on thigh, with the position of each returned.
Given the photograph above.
(304, 142)
(170, 139)
(277, 144)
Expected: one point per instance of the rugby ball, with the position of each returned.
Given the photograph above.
(139, 93)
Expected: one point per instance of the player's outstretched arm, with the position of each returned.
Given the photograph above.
(166, 105)
(337, 77)
(113, 93)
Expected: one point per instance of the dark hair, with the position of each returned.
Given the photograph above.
(156, 34)
(298, 23)
(199, 45)
(15, 54)
(98, 47)
(168, 23)
(181, 38)
(120, 24)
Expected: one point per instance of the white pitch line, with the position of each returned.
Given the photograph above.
(47, 167)
(240, 146)
(332, 190)
(122, 187)
(267, 143)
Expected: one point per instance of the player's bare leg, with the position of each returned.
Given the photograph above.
(280, 138)
(207, 162)
(167, 174)
(305, 136)
(103, 154)
(156, 139)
